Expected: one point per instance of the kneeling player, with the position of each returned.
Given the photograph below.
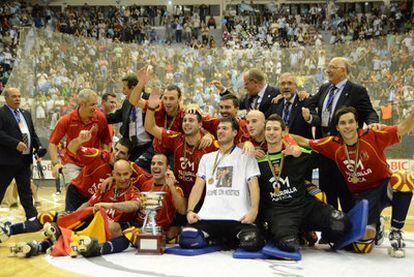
(360, 157)
(285, 204)
(120, 203)
(231, 202)
(173, 201)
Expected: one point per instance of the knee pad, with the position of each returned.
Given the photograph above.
(48, 216)
(401, 181)
(288, 243)
(363, 246)
(193, 238)
(131, 234)
(250, 238)
(339, 225)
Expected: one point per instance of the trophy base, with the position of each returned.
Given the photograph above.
(149, 244)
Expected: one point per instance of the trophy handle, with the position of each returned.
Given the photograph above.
(145, 220)
(154, 230)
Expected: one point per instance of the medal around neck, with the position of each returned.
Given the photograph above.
(151, 240)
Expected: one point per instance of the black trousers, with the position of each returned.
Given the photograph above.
(309, 215)
(138, 150)
(73, 199)
(22, 173)
(144, 160)
(377, 201)
(333, 184)
(224, 230)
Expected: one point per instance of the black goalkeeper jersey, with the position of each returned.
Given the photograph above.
(290, 189)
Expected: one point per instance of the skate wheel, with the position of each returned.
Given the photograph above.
(396, 253)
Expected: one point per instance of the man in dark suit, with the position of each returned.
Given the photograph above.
(17, 141)
(290, 107)
(132, 117)
(339, 92)
(259, 94)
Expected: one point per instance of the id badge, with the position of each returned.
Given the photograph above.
(325, 118)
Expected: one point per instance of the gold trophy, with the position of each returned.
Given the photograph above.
(151, 240)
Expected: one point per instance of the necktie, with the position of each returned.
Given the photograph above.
(331, 98)
(17, 115)
(133, 114)
(25, 139)
(286, 112)
(255, 100)
(133, 130)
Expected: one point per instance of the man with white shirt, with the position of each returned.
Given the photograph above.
(132, 118)
(339, 92)
(17, 141)
(231, 203)
(259, 94)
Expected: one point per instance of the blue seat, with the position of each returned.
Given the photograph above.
(243, 254)
(177, 250)
(358, 216)
(273, 251)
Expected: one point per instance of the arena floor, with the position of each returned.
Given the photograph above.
(317, 261)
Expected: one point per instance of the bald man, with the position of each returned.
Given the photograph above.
(339, 92)
(255, 120)
(122, 199)
(18, 138)
(121, 203)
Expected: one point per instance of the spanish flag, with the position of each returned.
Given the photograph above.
(98, 228)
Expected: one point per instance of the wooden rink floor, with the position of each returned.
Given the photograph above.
(38, 266)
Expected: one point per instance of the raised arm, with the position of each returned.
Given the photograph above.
(179, 201)
(150, 125)
(84, 136)
(407, 124)
(143, 75)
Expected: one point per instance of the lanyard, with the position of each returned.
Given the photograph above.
(217, 162)
(272, 168)
(185, 149)
(166, 125)
(354, 178)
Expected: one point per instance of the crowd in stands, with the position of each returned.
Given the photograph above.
(279, 25)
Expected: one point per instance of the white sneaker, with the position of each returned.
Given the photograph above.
(25, 249)
(4, 231)
(397, 243)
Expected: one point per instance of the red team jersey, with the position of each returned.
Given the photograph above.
(160, 115)
(211, 123)
(97, 168)
(139, 176)
(261, 146)
(114, 195)
(70, 125)
(372, 165)
(162, 120)
(185, 168)
(166, 214)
